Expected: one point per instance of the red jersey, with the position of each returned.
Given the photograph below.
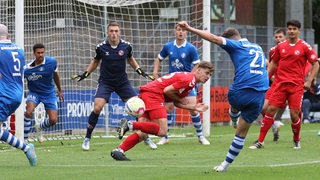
(292, 60)
(271, 54)
(183, 82)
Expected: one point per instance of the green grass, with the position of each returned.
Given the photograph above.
(183, 158)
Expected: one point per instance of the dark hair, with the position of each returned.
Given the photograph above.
(295, 23)
(38, 46)
(113, 24)
(206, 65)
(280, 30)
(230, 32)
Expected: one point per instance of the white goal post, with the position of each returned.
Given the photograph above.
(70, 30)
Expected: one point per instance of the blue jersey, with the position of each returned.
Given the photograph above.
(181, 58)
(11, 70)
(40, 78)
(249, 64)
(113, 65)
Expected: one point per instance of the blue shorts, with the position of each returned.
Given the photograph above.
(124, 90)
(8, 106)
(49, 101)
(248, 101)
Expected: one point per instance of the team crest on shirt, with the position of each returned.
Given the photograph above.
(183, 55)
(296, 52)
(121, 53)
(41, 69)
(283, 50)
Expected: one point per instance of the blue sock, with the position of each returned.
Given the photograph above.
(6, 136)
(27, 127)
(45, 124)
(92, 122)
(235, 148)
(170, 117)
(197, 124)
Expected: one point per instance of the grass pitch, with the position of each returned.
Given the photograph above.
(184, 158)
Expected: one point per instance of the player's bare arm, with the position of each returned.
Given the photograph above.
(136, 67)
(57, 82)
(271, 68)
(133, 63)
(157, 63)
(93, 65)
(313, 73)
(203, 34)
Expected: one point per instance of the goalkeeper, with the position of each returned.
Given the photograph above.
(113, 54)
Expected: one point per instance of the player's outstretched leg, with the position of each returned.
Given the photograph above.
(6, 136)
(31, 155)
(118, 155)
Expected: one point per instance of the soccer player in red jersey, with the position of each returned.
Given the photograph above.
(279, 36)
(174, 88)
(290, 58)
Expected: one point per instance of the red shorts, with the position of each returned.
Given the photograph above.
(287, 92)
(155, 108)
(270, 91)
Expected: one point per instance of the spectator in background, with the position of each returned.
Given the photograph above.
(311, 101)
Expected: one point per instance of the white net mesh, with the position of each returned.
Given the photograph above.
(71, 29)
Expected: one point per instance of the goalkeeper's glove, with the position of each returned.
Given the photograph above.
(80, 77)
(142, 73)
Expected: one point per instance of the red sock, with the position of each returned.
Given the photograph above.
(296, 126)
(147, 127)
(266, 124)
(129, 142)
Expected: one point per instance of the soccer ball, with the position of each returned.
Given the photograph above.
(135, 107)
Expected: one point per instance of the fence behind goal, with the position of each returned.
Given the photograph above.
(71, 29)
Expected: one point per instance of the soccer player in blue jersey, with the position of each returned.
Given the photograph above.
(113, 54)
(246, 94)
(182, 56)
(11, 90)
(41, 75)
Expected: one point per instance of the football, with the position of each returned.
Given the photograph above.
(135, 107)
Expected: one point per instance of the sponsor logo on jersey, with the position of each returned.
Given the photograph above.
(177, 64)
(34, 77)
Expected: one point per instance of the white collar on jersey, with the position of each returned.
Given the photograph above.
(182, 45)
(5, 41)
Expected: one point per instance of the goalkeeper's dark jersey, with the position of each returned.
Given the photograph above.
(113, 65)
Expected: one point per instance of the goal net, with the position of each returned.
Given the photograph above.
(71, 29)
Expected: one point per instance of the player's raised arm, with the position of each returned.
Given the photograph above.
(203, 34)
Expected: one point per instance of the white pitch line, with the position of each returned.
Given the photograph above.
(129, 164)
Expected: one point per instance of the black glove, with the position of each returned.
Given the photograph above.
(142, 73)
(80, 77)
